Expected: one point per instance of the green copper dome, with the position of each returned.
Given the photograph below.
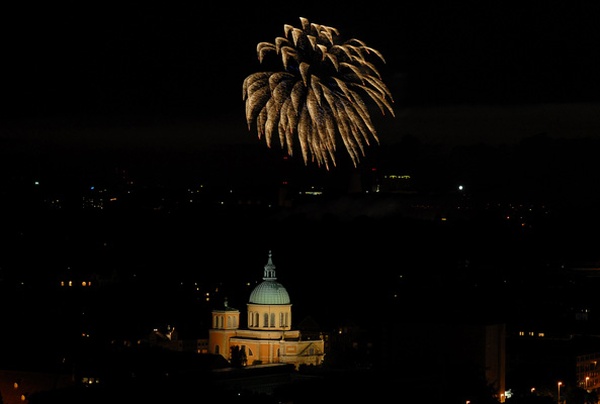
(269, 291)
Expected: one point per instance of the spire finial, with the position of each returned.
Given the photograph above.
(269, 273)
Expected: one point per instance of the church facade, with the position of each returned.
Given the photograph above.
(268, 336)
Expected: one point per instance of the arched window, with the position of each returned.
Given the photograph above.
(272, 324)
(256, 319)
(283, 319)
(266, 320)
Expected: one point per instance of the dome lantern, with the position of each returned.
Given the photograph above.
(269, 291)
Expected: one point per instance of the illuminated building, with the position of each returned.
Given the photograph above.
(269, 338)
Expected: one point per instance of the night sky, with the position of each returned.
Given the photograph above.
(149, 87)
(95, 85)
(468, 68)
(155, 89)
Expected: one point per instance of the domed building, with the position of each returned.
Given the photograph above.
(269, 337)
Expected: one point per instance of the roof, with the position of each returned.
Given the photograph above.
(269, 291)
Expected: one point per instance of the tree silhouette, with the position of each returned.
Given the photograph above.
(238, 356)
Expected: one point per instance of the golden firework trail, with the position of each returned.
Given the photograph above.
(318, 95)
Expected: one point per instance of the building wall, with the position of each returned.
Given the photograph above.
(423, 351)
(303, 352)
(269, 351)
(267, 347)
(226, 319)
(281, 314)
(495, 358)
(14, 384)
(220, 339)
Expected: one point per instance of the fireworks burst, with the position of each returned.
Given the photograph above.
(318, 95)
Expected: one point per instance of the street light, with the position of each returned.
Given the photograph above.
(559, 384)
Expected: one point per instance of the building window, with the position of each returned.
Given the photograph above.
(266, 320)
(272, 320)
(253, 319)
(283, 319)
(217, 349)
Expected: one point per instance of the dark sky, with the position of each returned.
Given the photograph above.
(170, 75)
(84, 80)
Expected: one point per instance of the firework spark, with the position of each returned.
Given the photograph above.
(318, 94)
